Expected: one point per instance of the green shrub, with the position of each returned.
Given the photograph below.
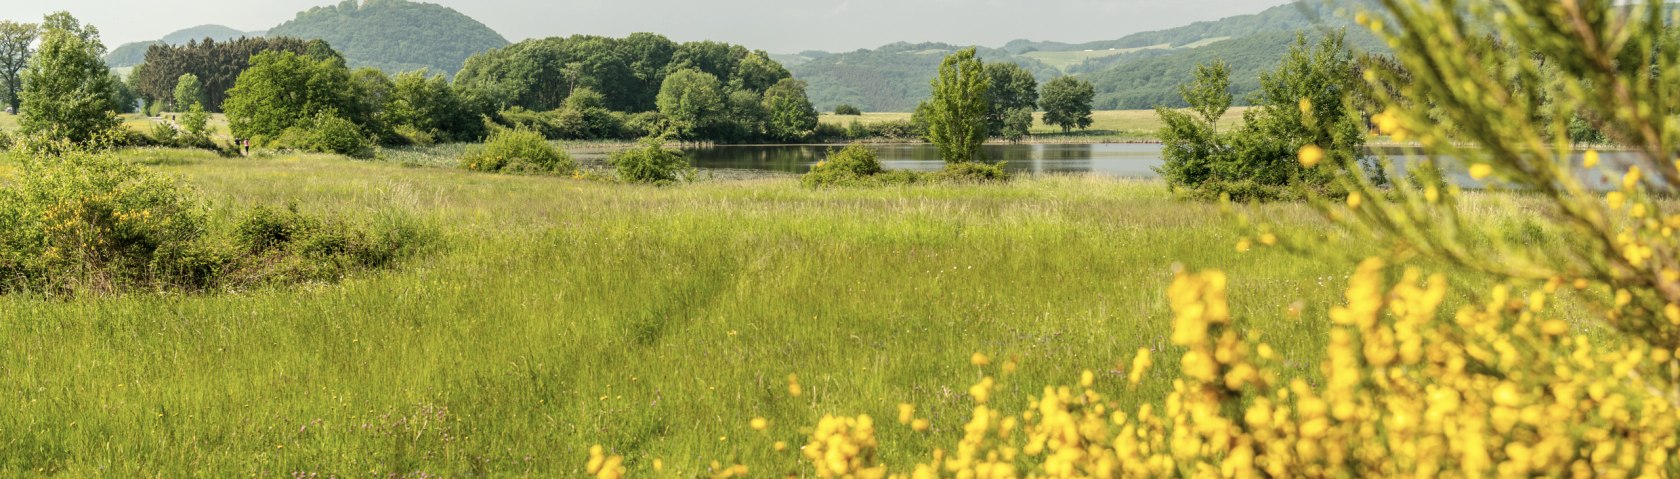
(84, 221)
(847, 110)
(642, 125)
(285, 245)
(267, 229)
(652, 163)
(195, 128)
(855, 165)
(164, 134)
(5, 141)
(80, 222)
(329, 133)
(519, 150)
(973, 172)
(414, 136)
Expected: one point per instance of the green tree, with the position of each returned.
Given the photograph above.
(282, 90)
(188, 92)
(1303, 102)
(757, 72)
(68, 92)
(791, 116)
(1013, 97)
(585, 116)
(957, 113)
(17, 41)
(746, 117)
(430, 106)
(1067, 103)
(1191, 145)
(1210, 95)
(693, 102)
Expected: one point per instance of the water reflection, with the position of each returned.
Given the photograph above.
(1126, 160)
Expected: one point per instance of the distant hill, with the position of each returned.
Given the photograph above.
(131, 54)
(891, 78)
(395, 35)
(1141, 70)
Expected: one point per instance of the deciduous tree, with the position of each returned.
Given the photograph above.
(188, 92)
(956, 115)
(1067, 103)
(17, 41)
(68, 92)
(692, 101)
(792, 118)
(1013, 97)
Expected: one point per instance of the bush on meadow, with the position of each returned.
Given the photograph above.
(652, 163)
(855, 165)
(519, 150)
(329, 133)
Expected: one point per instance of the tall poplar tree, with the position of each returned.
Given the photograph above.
(957, 113)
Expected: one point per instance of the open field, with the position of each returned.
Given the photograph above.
(135, 122)
(1064, 59)
(1107, 125)
(564, 313)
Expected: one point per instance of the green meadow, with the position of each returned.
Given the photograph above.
(555, 314)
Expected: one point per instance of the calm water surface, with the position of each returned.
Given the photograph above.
(1121, 160)
(1124, 160)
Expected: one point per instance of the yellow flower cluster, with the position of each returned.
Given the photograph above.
(1495, 389)
(844, 447)
(602, 466)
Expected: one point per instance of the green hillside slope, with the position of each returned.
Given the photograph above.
(395, 35)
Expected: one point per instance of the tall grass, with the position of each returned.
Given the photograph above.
(566, 313)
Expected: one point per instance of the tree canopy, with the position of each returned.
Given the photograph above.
(957, 113)
(217, 65)
(68, 92)
(17, 41)
(1067, 103)
(282, 90)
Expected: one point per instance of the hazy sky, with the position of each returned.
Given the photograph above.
(780, 26)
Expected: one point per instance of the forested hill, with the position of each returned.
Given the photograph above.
(891, 78)
(131, 54)
(1141, 70)
(395, 35)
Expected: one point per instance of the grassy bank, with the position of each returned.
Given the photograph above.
(656, 321)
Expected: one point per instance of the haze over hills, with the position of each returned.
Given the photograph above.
(393, 35)
(131, 54)
(1141, 70)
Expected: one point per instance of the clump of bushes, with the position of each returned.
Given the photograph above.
(329, 133)
(858, 165)
(193, 131)
(80, 222)
(83, 221)
(847, 110)
(519, 150)
(855, 165)
(287, 245)
(974, 172)
(652, 163)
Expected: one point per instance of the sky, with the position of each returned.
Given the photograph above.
(778, 26)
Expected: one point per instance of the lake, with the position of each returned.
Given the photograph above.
(1123, 160)
(1127, 160)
